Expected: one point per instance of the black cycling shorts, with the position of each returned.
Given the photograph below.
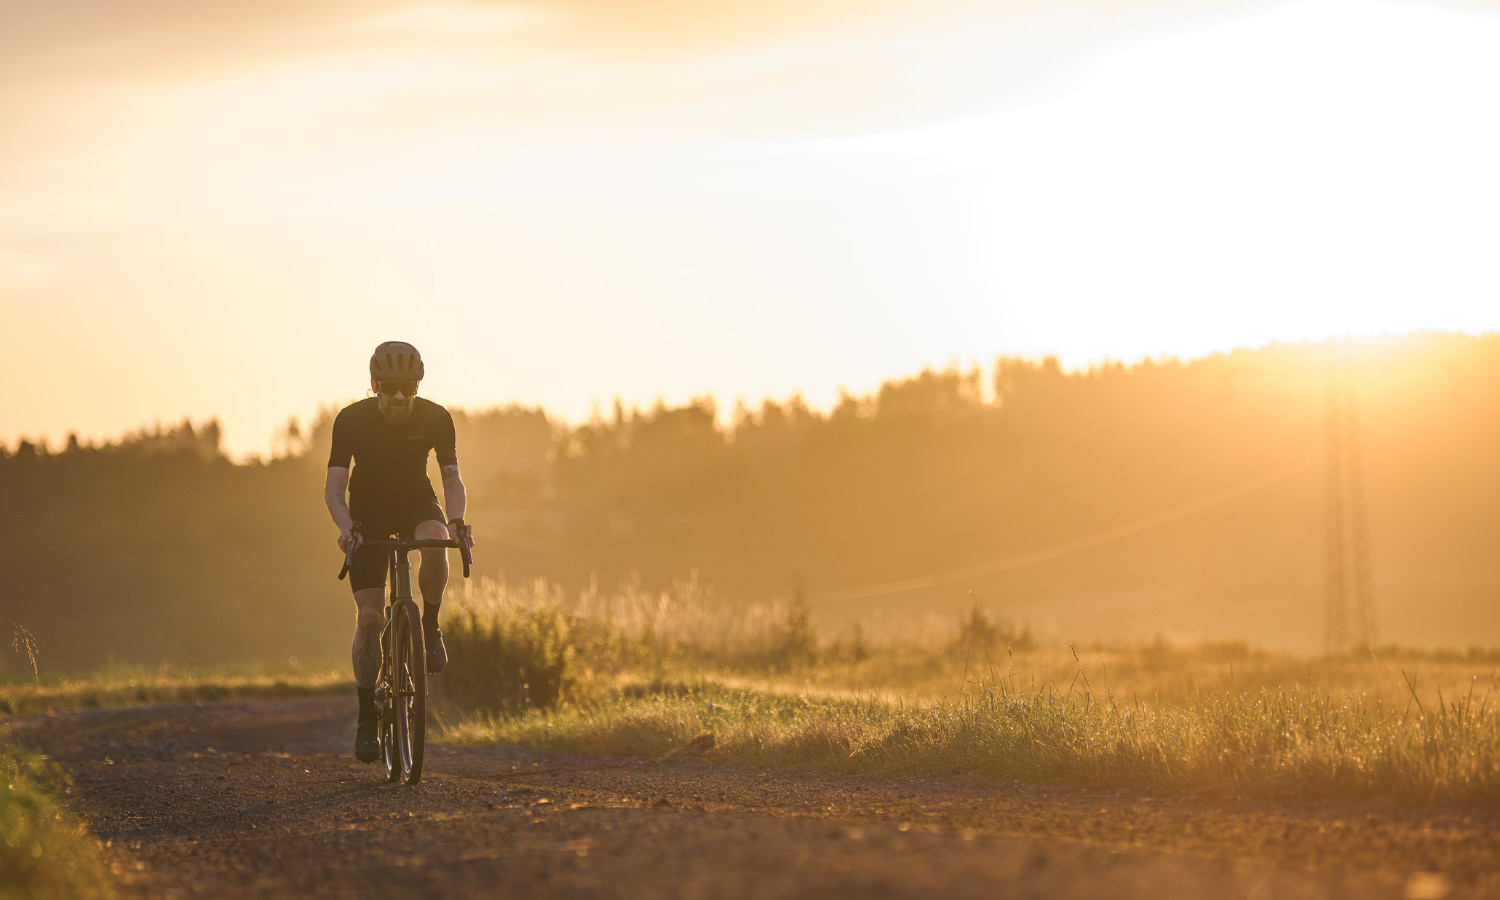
(378, 521)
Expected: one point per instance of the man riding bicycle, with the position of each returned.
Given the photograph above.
(388, 436)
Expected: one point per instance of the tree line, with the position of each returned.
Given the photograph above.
(156, 546)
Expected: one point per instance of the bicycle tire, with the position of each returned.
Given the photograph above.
(409, 689)
(392, 756)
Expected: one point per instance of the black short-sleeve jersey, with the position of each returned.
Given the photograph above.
(390, 460)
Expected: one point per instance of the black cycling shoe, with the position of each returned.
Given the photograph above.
(437, 654)
(366, 744)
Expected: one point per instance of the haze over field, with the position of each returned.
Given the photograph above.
(215, 212)
(1185, 501)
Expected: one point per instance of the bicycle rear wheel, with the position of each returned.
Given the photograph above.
(408, 705)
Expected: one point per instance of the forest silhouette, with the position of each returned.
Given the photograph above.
(156, 547)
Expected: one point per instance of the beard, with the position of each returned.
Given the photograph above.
(396, 413)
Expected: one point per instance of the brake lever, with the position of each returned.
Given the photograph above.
(349, 554)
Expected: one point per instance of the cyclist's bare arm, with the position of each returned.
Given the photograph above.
(335, 496)
(455, 501)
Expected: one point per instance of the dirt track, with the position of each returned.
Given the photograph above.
(262, 799)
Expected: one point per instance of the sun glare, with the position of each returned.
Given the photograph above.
(647, 226)
(1320, 168)
(1248, 184)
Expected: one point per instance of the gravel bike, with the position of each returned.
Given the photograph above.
(401, 690)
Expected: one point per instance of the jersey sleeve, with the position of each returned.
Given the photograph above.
(342, 451)
(445, 441)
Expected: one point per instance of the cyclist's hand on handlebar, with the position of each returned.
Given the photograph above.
(346, 536)
(461, 531)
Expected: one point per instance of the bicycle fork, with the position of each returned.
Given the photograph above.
(400, 580)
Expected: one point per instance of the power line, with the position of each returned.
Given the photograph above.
(1035, 556)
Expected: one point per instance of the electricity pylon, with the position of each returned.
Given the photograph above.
(1349, 611)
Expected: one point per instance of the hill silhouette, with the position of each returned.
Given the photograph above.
(1166, 498)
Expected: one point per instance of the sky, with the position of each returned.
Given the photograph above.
(218, 210)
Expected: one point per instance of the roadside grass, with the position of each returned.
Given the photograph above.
(44, 852)
(126, 686)
(1214, 718)
(1262, 744)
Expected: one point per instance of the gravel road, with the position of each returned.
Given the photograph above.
(262, 799)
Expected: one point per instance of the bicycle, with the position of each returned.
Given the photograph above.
(401, 690)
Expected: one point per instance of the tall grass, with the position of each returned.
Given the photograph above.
(514, 648)
(44, 852)
(632, 622)
(1217, 718)
(511, 663)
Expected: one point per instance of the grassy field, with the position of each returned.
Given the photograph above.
(124, 686)
(677, 673)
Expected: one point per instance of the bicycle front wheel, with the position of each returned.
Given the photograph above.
(408, 693)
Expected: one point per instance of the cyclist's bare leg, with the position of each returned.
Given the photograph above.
(369, 617)
(432, 577)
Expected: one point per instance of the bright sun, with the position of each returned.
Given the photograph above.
(806, 212)
(1321, 168)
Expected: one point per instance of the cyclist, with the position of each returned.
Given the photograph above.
(388, 437)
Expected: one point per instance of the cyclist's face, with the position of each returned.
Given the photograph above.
(395, 399)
